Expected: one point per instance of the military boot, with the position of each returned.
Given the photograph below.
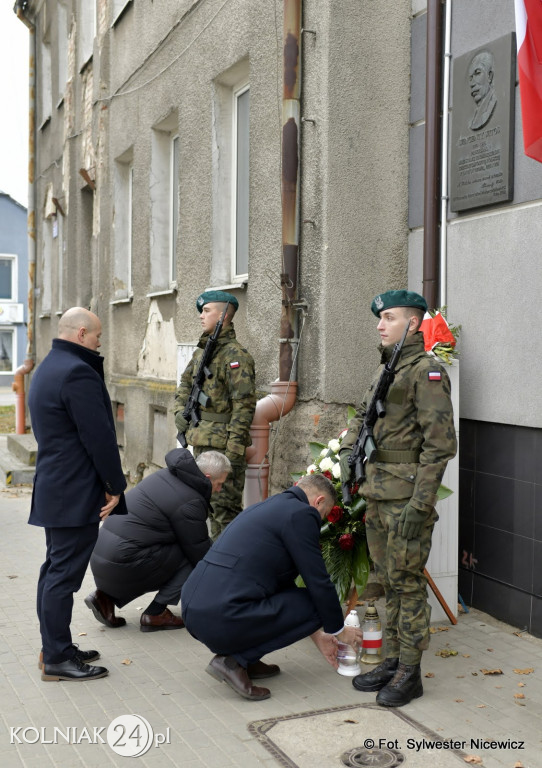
(405, 686)
(377, 678)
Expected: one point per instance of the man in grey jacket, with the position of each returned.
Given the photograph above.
(160, 540)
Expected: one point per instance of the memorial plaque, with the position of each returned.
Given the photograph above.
(482, 133)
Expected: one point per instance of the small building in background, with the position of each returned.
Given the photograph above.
(13, 286)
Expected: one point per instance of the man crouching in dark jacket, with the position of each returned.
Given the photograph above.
(158, 543)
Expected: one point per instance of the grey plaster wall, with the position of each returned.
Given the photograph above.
(165, 58)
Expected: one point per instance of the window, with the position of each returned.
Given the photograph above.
(58, 233)
(240, 176)
(231, 177)
(6, 350)
(44, 72)
(118, 10)
(164, 198)
(46, 252)
(87, 31)
(122, 228)
(62, 58)
(8, 277)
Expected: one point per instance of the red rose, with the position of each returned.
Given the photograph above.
(328, 474)
(355, 489)
(335, 515)
(346, 541)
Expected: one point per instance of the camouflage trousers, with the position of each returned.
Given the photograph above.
(228, 502)
(399, 566)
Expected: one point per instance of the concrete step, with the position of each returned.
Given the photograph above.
(12, 469)
(24, 447)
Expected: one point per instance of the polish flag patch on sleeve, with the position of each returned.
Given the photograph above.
(435, 376)
(234, 365)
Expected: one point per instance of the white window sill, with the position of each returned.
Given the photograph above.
(125, 300)
(227, 287)
(165, 292)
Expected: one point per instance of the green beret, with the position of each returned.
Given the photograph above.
(397, 299)
(209, 297)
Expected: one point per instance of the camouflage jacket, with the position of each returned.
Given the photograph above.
(232, 392)
(419, 418)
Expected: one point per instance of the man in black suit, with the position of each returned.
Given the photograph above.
(241, 599)
(79, 481)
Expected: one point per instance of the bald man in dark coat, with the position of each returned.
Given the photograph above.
(79, 481)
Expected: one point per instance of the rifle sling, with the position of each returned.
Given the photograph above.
(396, 457)
(223, 418)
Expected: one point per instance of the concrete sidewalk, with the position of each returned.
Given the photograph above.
(161, 677)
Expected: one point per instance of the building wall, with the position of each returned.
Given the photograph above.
(168, 64)
(492, 284)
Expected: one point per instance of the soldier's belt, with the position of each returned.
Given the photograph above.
(223, 418)
(397, 457)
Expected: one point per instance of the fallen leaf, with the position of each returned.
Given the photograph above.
(526, 671)
(126, 661)
(491, 671)
(12, 577)
(519, 764)
(519, 695)
(466, 655)
(350, 721)
(434, 630)
(429, 674)
(521, 685)
(518, 634)
(519, 703)
(490, 650)
(498, 686)
(481, 706)
(473, 759)
(460, 677)
(459, 701)
(474, 674)
(81, 634)
(445, 652)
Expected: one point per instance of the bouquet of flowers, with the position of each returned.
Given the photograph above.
(440, 338)
(342, 537)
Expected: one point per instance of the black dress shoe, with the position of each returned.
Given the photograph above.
(228, 670)
(259, 671)
(72, 669)
(405, 686)
(84, 656)
(103, 608)
(378, 677)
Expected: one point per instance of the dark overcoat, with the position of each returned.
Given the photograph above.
(243, 594)
(165, 529)
(78, 458)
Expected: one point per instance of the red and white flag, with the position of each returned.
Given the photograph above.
(529, 41)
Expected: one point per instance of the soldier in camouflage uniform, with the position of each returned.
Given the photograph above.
(225, 423)
(414, 441)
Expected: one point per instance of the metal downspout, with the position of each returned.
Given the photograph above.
(445, 152)
(18, 383)
(433, 102)
(284, 391)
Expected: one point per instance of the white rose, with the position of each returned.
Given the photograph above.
(343, 433)
(324, 451)
(311, 469)
(326, 464)
(334, 445)
(336, 470)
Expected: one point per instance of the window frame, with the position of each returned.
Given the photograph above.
(12, 257)
(239, 90)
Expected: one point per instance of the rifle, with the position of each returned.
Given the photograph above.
(364, 448)
(197, 396)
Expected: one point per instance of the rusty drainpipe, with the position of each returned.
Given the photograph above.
(283, 392)
(27, 366)
(431, 205)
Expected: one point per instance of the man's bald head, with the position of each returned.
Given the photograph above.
(80, 326)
